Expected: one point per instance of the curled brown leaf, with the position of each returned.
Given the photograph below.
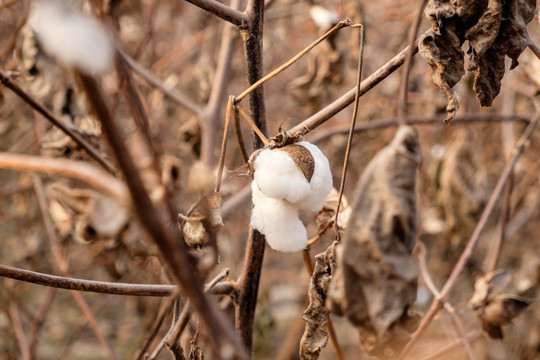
(376, 279)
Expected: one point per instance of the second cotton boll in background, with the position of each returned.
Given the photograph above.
(286, 180)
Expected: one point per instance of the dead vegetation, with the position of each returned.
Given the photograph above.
(131, 188)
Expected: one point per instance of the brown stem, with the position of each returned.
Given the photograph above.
(172, 247)
(351, 129)
(212, 112)
(18, 330)
(369, 83)
(475, 237)
(71, 168)
(81, 141)
(172, 94)
(224, 12)
(39, 320)
(402, 99)
(248, 283)
(68, 283)
(62, 266)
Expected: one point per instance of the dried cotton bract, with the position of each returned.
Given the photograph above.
(286, 180)
(71, 36)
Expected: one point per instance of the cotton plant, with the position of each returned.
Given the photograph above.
(286, 180)
(74, 38)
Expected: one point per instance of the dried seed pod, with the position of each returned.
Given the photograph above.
(376, 280)
(203, 219)
(302, 158)
(493, 309)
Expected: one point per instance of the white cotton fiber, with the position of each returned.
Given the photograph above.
(74, 38)
(321, 181)
(278, 220)
(278, 176)
(280, 189)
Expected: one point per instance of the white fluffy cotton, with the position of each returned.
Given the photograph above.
(74, 38)
(280, 190)
(278, 220)
(322, 17)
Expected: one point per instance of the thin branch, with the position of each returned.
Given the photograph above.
(39, 320)
(224, 12)
(295, 58)
(403, 91)
(475, 237)
(369, 83)
(421, 260)
(19, 331)
(172, 247)
(417, 120)
(62, 266)
(212, 111)
(155, 328)
(153, 80)
(80, 170)
(473, 335)
(79, 139)
(353, 125)
(101, 287)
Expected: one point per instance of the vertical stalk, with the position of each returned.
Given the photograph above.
(249, 278)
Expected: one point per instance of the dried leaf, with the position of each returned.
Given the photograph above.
(376, 279)
(316, 315)
(493, 309)
(493, 29)
(463, 183)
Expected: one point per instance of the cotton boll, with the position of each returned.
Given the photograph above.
(278, 221)
(321, 181)
(279, 177)
(71, 36)
(322, 17)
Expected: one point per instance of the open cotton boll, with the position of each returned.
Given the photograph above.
(279, 177)
(278, 221)
(74, 38)
(320, 183)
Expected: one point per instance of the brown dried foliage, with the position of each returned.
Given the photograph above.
(375, 281)
(493, 30)
(316, 315)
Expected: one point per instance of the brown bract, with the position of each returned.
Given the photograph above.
(376, 279)
(302, 158)
(316, 315)
(493, 30)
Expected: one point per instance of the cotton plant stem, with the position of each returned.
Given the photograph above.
(39, 320)
(351, 130)
(253, 126)
(79, 170)
(419, 120)
(221, 11)
(437, 304)
(421, 260)
(345, 100)
(172, 247)
(473, 335)
(78, 138)
(102, 287)
(336, 28)
(154, 81)
(62, 266)
(18, 330)
(166, 308)
(403, 90)
(212, 112)
(248, 281)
